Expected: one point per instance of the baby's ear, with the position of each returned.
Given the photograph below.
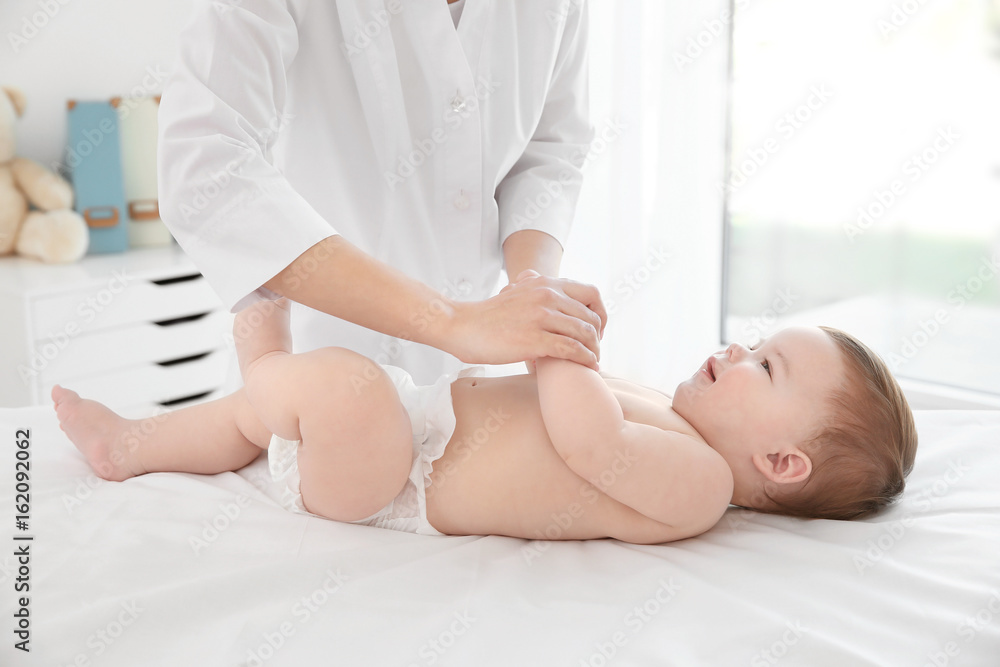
(17, 98)
(786, 467)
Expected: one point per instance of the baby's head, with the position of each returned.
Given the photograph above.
(810, 420)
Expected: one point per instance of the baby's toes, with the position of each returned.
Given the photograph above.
(61, 396)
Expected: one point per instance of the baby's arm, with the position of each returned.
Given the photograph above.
(667, 476)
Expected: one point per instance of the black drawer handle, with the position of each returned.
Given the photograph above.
(178, 279)
(183, 399)
(181, 320)
(184, 360)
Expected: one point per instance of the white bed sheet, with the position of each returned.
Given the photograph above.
(117, 580)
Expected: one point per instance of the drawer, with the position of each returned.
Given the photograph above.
(99, 352)
(143, 410)
(151, 383)
(124, 301)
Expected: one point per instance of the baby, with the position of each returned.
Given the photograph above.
(808, 423)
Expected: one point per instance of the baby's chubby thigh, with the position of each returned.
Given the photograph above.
(355, 454)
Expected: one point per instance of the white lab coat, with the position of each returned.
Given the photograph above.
(288, 121)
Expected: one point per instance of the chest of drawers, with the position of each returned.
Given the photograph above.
(139, 331)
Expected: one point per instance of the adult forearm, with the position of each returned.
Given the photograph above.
(536, 317)
(531, 249)
(577, 407)
(336, 277)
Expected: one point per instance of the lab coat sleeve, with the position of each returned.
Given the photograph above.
(221, 112)
(541, 189)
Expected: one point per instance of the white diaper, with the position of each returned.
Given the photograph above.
(433, 420)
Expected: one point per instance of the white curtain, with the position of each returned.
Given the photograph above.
(658, 101)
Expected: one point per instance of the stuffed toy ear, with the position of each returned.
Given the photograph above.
(17, 98)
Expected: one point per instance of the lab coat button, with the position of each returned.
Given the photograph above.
(461, 202)
(464, 287)
(458, 104)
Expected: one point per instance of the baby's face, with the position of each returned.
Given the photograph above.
(741, 400)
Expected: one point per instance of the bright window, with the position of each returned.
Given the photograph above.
(864, 185)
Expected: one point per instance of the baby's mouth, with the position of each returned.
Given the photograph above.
(709, 368)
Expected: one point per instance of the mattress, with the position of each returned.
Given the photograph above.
(182, 569)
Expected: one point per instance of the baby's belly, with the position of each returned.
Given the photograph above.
(500, 474)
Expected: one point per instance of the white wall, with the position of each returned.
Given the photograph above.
(86, 49)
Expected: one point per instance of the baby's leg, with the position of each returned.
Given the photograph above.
(213, 437)
(355, 452)
(209, 438)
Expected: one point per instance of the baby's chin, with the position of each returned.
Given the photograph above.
(684, 394)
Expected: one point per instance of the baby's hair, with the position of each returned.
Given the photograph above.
(862, 456)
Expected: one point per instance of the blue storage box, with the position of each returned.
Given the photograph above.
(95, 162)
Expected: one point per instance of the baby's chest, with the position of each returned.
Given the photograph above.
(643, 409)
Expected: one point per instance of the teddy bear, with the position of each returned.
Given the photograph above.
(52, 233)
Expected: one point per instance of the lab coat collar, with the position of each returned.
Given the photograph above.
(472, 30)
(375, 66)
(376, 74)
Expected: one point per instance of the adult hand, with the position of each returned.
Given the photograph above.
(533, 317)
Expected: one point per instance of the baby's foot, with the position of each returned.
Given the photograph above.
(261, 329)
(98, 433)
